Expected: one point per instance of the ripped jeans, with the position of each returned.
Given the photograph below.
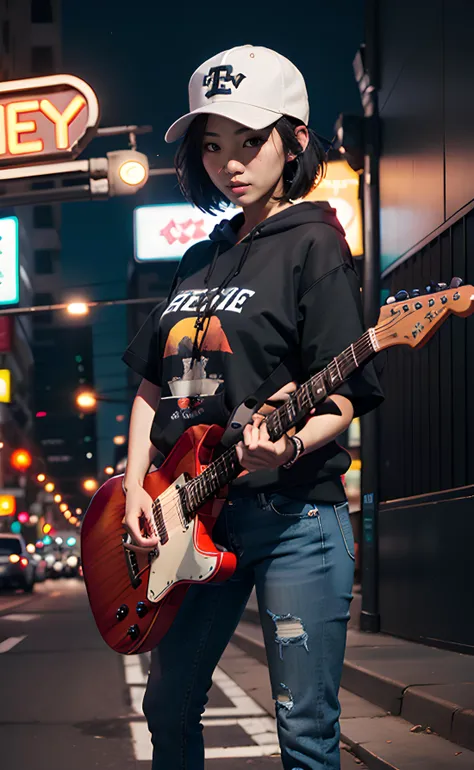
(300, 557)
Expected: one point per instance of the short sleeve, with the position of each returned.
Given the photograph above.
(143, 355)
(331, 318)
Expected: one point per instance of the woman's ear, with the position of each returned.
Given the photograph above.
(302, 135)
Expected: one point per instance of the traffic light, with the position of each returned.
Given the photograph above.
(127, 171)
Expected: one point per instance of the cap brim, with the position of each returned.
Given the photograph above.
(246, 114)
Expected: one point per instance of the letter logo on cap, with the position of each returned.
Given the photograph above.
(217, 77)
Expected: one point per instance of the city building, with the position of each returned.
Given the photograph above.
(427, 234)
(50, 357)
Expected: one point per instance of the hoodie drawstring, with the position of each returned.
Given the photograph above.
(209, 298)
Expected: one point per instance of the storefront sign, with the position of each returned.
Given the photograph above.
(9, 262)
(340, 187)
(167, 231)
(5, 386)
(45, 119)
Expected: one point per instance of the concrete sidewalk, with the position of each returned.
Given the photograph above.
(408, 685)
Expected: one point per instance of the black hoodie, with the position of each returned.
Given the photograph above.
(293, 289)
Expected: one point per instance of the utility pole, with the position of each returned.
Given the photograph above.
(365, 71)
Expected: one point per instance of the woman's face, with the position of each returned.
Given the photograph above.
(244, 164)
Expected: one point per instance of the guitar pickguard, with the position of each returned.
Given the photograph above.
(178, 560)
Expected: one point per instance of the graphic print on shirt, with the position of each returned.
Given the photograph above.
(194, 382)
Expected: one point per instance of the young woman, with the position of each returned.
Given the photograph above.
(275, 284)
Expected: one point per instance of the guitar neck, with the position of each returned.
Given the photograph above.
(226, 468)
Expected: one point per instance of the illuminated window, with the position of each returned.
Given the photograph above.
(42, 62)
(41, 12)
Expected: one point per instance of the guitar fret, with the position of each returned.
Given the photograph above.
(226, 467)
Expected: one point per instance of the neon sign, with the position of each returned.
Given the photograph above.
(45, 119)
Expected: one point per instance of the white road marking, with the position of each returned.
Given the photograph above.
(134, 671)
(22, 617)
(8, 644)
(136, 696)
(244, 713)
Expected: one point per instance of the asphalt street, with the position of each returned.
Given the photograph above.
(69, 702)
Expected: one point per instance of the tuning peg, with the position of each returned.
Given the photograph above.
(442, 286)
(390, 300)
(401, 295)
(432, 287)
(415, 293)
(456, 283)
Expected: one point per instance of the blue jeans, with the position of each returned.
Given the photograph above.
(300, 557)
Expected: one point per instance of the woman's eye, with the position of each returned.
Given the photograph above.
(254, 141)
(211, 147)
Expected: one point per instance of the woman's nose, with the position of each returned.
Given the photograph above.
(233, 167)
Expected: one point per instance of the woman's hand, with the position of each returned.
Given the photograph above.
(256, 452)
(138, 517)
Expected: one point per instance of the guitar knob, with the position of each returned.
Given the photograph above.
(133, 632)
(141, 609)
(415, 293)
(122, 612)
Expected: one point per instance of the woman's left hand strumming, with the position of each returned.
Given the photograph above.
(256, 452)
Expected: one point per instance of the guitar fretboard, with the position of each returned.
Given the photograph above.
(227, 467)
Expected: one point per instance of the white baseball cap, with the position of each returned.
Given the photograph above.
(250, 84)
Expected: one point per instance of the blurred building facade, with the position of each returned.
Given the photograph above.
(44, 349)
(427, 233)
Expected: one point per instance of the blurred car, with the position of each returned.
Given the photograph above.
(17, 570)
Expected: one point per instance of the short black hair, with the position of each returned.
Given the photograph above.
(299, 175)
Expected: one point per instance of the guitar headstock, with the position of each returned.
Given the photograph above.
(410, 318)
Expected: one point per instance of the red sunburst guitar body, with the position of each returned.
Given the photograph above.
(135, 593)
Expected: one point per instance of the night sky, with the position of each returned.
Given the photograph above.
(138, 57)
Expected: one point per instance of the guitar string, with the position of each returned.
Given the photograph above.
(199, 483)
(360, 347)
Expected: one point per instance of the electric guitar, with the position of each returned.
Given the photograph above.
(134, 592)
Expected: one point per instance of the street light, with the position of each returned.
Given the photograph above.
(57, 498)
(41, 477)
(119, 440)
(49, 487)
(63, 507)
(86, 400)
(109, 471)
(90, 485)
(77, 308)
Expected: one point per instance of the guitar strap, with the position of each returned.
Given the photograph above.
(257, 402)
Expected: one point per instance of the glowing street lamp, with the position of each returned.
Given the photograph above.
(49, 487)
(63, 507)
(90, 485)
(119, 440)
(41, 477)
(57, 498)
(77, 308)
(67, 514)
(86, 400)
(109, 471)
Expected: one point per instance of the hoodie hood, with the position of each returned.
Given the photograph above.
(303, 213)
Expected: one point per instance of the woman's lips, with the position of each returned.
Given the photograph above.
(239, 189)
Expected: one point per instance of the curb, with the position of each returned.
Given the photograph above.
(414, 704)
